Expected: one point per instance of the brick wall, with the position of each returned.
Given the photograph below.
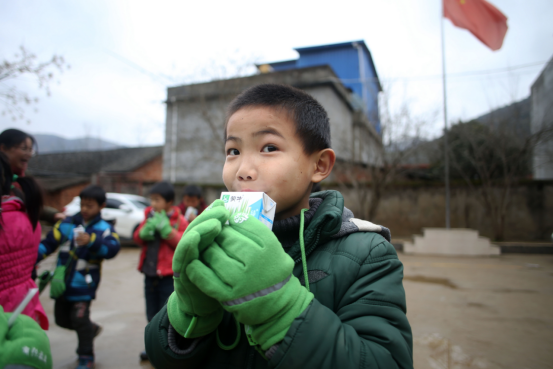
(137, 182)
(150, 172)
(58, 199)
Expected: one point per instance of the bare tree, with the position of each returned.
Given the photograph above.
(491, 158)
(399, 148)
(25, 63)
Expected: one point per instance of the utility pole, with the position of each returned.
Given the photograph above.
(446, 144)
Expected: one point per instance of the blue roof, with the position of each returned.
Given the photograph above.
(341, 45)
(351, 61)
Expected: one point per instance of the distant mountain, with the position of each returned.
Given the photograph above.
(52, 143)
(514, 117)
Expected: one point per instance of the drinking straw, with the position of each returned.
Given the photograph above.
(32, 292)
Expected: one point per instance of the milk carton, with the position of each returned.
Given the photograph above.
(255, 204)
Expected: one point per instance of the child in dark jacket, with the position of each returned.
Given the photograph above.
(193, 203)
(85, 240)
(321, 290)
(159, 235)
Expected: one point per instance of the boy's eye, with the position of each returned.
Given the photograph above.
(233, 152)
(269, 148)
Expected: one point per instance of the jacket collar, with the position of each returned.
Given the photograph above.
(325, 223)
(78, 219)
(11, 203)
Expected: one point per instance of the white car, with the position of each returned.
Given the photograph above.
(125, 209)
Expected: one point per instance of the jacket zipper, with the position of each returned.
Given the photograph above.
(307, 252)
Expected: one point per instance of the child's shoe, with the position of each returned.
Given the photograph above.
(86, 362)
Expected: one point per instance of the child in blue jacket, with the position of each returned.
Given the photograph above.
(84, 240)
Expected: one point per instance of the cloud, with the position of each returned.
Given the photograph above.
(124, 54)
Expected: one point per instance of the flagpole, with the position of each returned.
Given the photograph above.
(446, 145)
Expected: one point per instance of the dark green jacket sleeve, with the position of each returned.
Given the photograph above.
(368, 327)
(157, 346)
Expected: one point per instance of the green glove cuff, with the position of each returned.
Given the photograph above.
(147, 232)
(181, 321)
(289, 301)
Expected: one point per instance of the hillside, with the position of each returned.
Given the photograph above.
(51, 143)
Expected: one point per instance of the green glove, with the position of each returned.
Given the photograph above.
(44, 280)
(247, 270)
(57, 286)
(25, 343)
(163, 226)
(147, 232)
(191, 312)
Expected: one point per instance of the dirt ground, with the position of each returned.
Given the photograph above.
(494, 312)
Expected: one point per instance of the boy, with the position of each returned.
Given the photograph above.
(158, 235)
(323, 291)
(193, 203)
(85, 240)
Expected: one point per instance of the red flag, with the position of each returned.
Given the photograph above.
(480, 17)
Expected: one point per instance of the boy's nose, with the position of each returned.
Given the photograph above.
(246, 173)
(246, 177)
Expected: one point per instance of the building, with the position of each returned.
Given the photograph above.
(194, 144)
(129, 170)
(353, 64)
(542, 121)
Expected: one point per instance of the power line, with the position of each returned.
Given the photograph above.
(459, 74)
(164, 79)
(156, 77)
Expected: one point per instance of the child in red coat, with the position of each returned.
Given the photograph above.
(159, 234)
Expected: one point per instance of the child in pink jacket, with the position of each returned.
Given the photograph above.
(20, 234)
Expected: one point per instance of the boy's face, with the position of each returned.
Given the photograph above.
(192, 201)
(90, 208)
(159, 203)
(264, 154)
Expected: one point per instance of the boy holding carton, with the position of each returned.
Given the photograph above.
(85, 240)
(159, 235)
(322, 290)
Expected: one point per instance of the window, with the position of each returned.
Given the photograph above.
(113, 203)
(140, 204)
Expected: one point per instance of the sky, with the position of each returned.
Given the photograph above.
(124, 54)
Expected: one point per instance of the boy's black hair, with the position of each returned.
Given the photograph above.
(94, 192)
(192, 190)
(310, 118)
(165, 190)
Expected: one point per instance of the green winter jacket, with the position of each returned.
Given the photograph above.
(357, 319)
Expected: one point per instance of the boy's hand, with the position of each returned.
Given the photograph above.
(188, 301)
(24, 344)
(247, 270)
(147, 232)
(163, 226)
(82, 239)
(57, 286)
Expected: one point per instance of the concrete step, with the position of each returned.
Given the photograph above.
(456, 241)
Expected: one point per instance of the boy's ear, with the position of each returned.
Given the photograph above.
(102, 206)
(324, 162)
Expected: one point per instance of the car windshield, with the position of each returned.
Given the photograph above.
(141, 204)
